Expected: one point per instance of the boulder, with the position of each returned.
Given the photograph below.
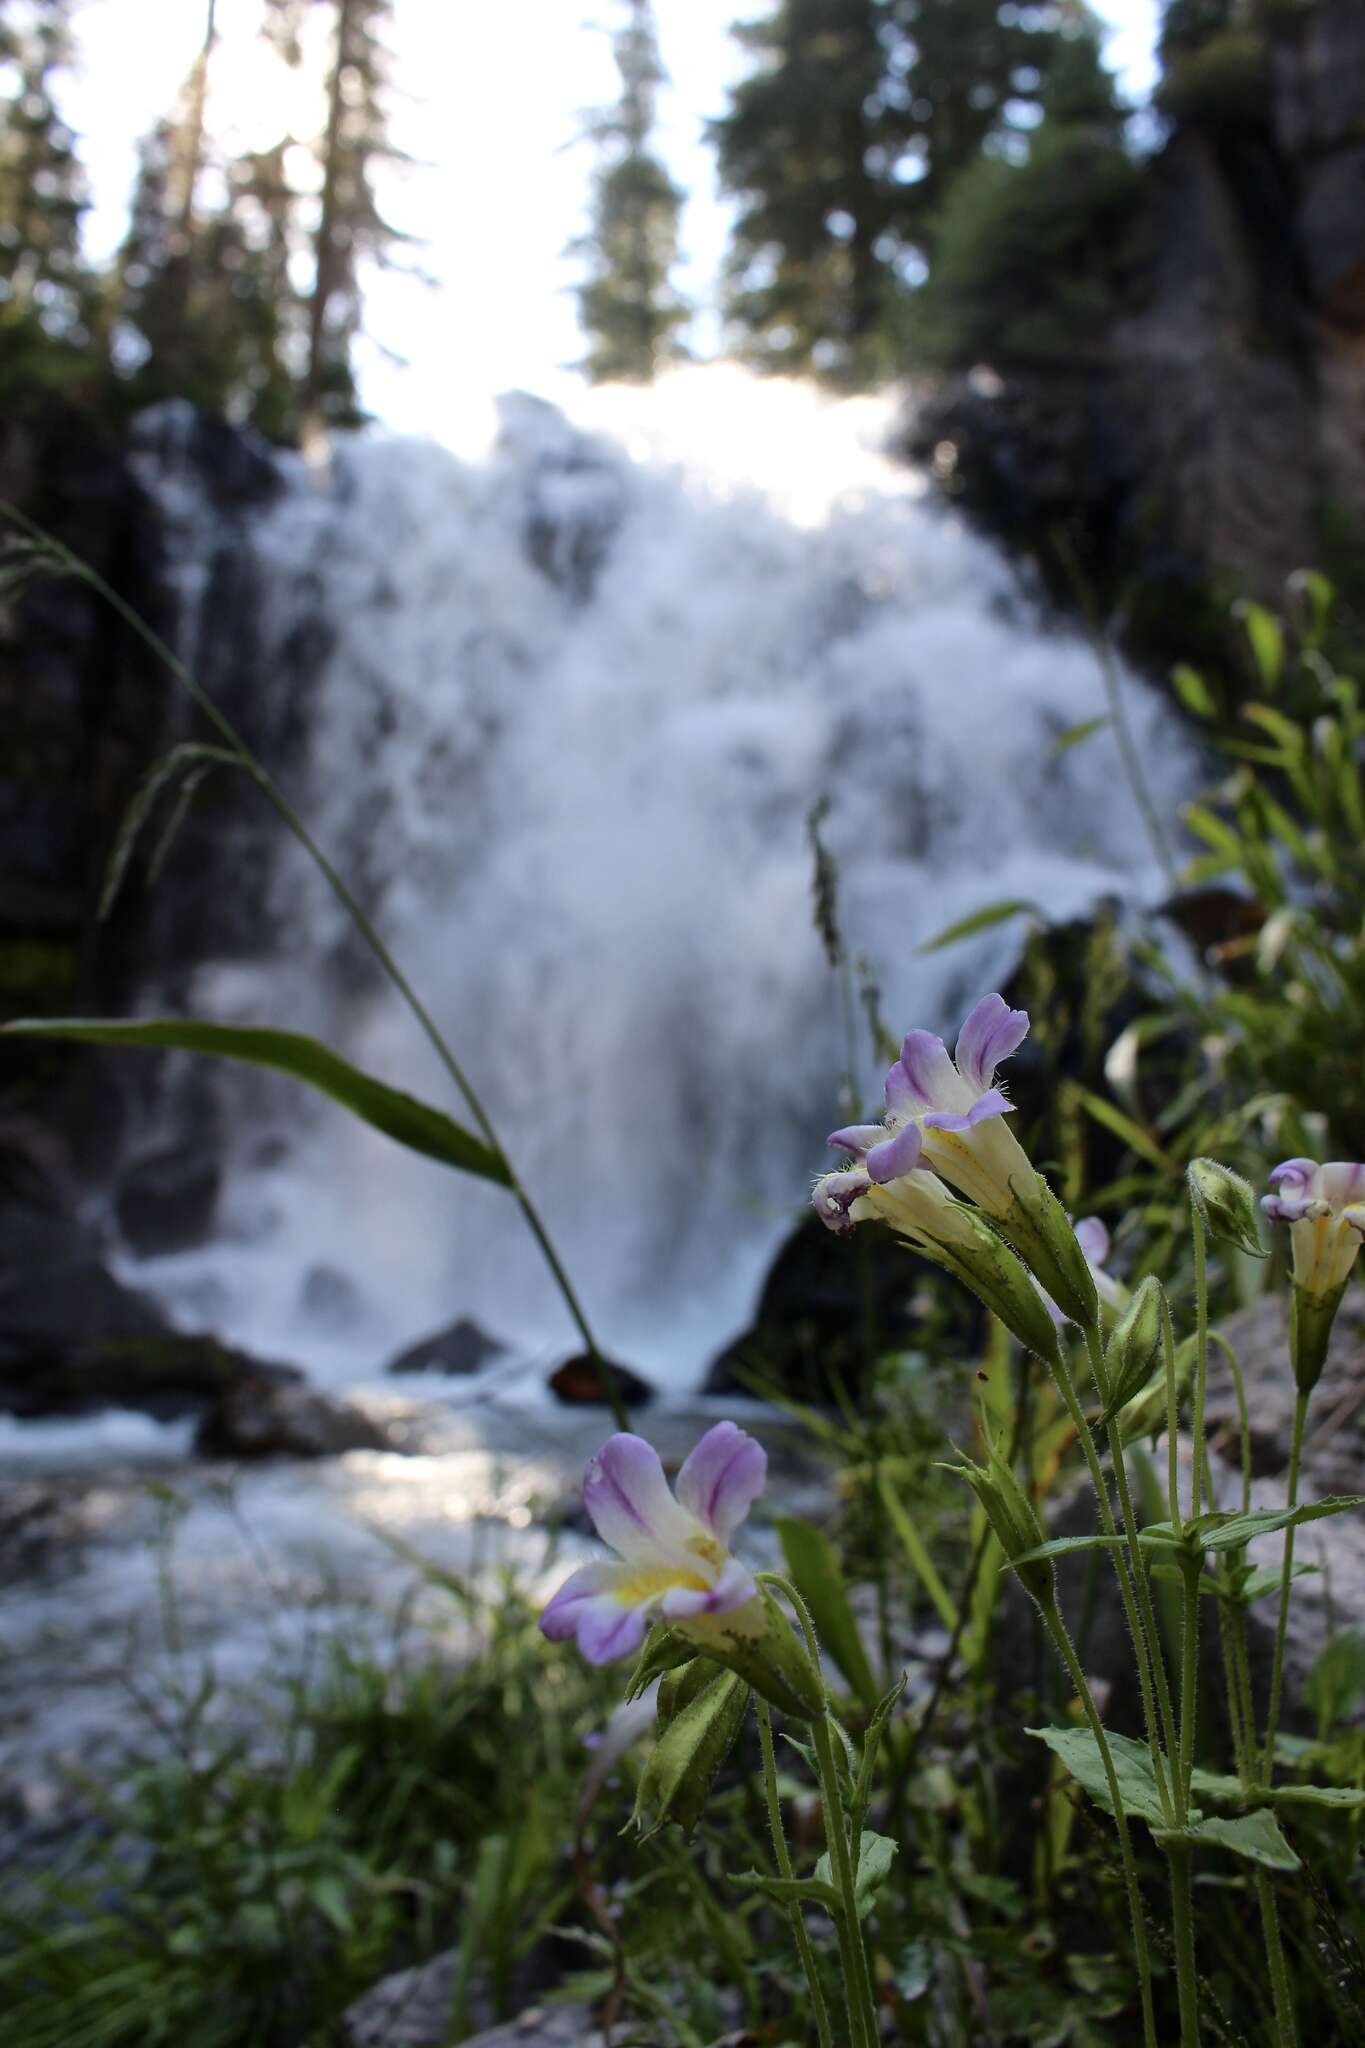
(256, 1418)
(412, 2009)
(811, 1327)
(578, 1381)
(164, 1202)
(73, 1338)
(464, 1346)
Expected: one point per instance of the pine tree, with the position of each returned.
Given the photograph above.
(350, 227)
(47, 297)
(797, 148)
(844, 142)
(627, 306)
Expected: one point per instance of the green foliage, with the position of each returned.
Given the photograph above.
(841, 145)
(399, 1116)
(1030, 262)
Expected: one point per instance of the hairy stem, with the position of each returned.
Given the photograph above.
(784, 1867)
(1056, 1628)
(1286, 1581)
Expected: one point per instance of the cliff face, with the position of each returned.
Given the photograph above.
(1220, 437)
(85, 710)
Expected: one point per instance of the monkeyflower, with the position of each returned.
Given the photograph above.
(947, 1115)
(673, 1566)
(903, 1192)
(1324, 1207)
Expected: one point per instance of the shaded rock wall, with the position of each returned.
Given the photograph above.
(1220, 436)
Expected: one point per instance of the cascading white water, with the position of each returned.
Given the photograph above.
(581, 694)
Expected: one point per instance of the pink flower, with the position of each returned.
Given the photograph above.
(1324, 1207)
(674, 1559)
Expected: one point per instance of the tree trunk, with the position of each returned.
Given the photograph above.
(329, 268)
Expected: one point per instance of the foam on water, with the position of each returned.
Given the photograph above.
(582, 690)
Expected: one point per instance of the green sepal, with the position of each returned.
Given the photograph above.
(663, 1650)
(676, 1781)
(679, 1687)
(758, 1642)
(1040, 1231)
(1311, 1317)
(990, 1270)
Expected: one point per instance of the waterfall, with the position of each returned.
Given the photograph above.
(570, 700)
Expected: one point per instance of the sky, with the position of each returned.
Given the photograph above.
(490, 98)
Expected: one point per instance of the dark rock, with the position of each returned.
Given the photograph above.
(821, 1300)
(462, 1347)
(331, 1296)
(256, 1418)
(412, 2009)
(1215, 418)
(165, 1201)
(579, 1382)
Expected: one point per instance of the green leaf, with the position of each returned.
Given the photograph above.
(875, 1856)
(1345, 1797)
(981, 921)
(1066, 1546)
(400, 1117)
(1193, 691)
(1080, 1753)
(789, 1891)
(1266, 636)
(1113, 1119)
(1264, 1521)
(675, 1783)
(814, 1568)
(195, 761)
(1266, 1579)
(1253, 1835)
(1074, 735)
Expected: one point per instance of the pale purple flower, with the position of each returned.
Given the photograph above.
(674, 1559)
(1324, 1206)
(946, 1113)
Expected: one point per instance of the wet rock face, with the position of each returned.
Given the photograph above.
(277, 1418)
(464, 1346)
(1223, 412)
(579, 1383)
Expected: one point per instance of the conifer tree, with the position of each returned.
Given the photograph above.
(843, 143)
(797, 148)
(350, 227)
(627, 306)
(47, 298)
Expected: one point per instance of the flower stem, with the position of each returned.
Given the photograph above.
(1057, 1629)
(862, 2009)
(1201, 1370)
(1286, 1581)
(1124, 1576)
(1191, 1568)
(1242, 1715)
(1179, 1857)
(784, 1866)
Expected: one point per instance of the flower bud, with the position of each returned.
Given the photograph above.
(676, 1781)
(1014, 1520)
(1226, 1204)
(1134, 1347)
